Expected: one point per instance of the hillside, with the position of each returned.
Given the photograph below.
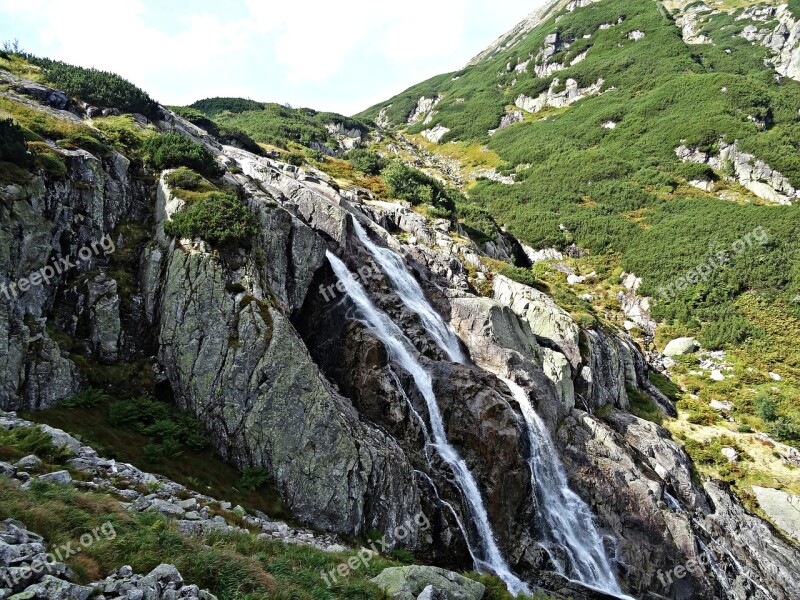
(527, 329)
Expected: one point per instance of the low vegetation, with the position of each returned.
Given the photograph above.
(99, 88)
(170, 150)
(220, 219)
(276, 124)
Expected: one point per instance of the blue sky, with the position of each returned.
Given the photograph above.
(342, 56)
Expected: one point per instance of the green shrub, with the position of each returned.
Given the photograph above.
(170, 150)
(295, 158)
(99, 88)
(766, 408)
(12, 144)
(366, 161)
(183, 178)
(88, 398)
(220, 219)
(254, 478)
(523, 276)
(407, 183)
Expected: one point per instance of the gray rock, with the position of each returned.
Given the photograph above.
(59, 477)
(783, 508)
(407, 583)
(28, 462)
(431, 593)
(7, 469)
(52, 587)
(165, 574)
(166, 508)
(681, 346)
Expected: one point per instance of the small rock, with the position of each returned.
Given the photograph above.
(717, 375)
(28, 462)
(775, 376)
(722, 406)
(730, 454)
(189, 504)
(7, 469)
(59, 477)
(192, 516)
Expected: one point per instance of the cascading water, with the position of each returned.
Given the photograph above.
(412, 295)
(568, 522)
(400, 350)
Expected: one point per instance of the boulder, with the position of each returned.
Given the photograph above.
(681, 346)
(408, 583)
(59, 477)
(782, 508)
(52, 587)
(28, 462)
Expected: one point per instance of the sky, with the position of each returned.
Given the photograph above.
(342, 56)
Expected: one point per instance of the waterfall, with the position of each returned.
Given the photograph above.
(412, 295)
(400, 349)
(568, 522)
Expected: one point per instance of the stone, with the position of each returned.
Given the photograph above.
(61, 439)
(28, 462)
(52, 587)
(166, 508)
(431, 593)
(730, 454)
(7, 469)
(59, 477)
(716, 375)
(681, 346)
(783, 508)
(165, 573)
(721, 406)
(407, 583)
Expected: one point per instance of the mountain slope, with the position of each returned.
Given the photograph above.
(366, 340)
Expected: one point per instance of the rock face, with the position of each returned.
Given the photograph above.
(751, 172)
(782, 508)
(558, 99)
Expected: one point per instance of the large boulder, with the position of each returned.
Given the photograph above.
(407, 583)
(782, 508)
(681, 346)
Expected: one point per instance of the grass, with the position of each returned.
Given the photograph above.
(215, 478)
(233, 567)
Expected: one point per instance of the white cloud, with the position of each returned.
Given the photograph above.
(332, 55)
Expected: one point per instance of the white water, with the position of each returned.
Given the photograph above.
(399, 348)
(412, 295)
(568, 522)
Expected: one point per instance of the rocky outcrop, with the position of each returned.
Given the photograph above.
(753, 173)
(411, 583)
(423, 111)
(435, 134)
(784, 42)
(782, 508)
(558, 99)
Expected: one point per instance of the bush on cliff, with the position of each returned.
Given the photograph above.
(220, 219)
(12, 144)
(170, 150)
